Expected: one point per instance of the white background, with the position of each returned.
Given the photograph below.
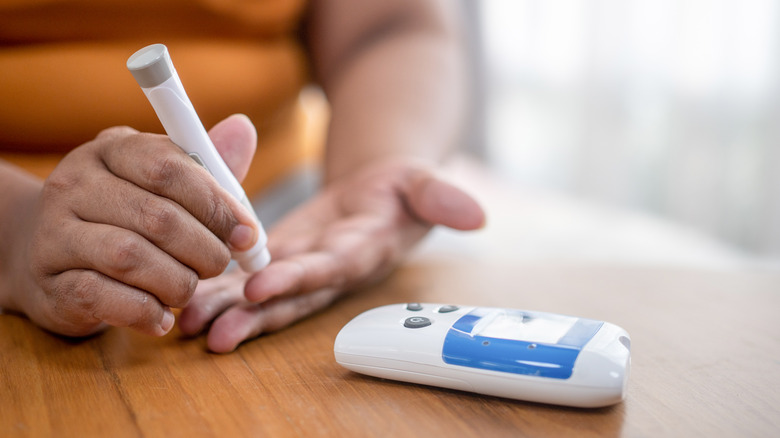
(665, 106)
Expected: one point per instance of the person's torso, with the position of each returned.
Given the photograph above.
(63, 75)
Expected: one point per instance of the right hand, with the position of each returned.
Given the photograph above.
(124, 228)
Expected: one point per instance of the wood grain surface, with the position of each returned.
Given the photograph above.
(705, 351)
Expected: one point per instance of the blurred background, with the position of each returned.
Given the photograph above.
(666, 107)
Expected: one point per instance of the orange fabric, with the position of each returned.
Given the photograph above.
(295, 140)
(63, 77)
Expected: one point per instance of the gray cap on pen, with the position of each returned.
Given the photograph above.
(151, 66)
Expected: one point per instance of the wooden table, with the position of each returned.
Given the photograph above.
(705, 348)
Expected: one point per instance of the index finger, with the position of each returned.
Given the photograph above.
(160, 167)
(350, 253)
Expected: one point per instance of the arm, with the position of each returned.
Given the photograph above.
(394, 75)
(17, 204)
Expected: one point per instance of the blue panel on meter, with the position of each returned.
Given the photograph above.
(531, 343)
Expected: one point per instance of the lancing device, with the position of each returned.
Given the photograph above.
(154, 72)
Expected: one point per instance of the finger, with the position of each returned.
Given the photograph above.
(440, 203)
(282, 246)
(248, 320)
(351, 251)
(91, 298)
(127, 258)
(296, 275)
(236, 140)
(160, 220)
(211, 298)
(156, 165)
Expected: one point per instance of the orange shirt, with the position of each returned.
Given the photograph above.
(63, 77)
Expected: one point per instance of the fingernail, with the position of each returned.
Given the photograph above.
(242, 237)
(167, 321)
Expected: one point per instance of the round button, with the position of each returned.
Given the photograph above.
(414, 307)
(417, 322)
(448, 309)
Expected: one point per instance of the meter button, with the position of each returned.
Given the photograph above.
(414, 307)
(417, 322)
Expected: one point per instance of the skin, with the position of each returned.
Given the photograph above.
(120, 232)
(128, 226)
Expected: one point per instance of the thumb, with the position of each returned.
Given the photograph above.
(236, 141)
(440, 203)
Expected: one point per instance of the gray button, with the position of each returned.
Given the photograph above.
(414, 307)
(417, 322)
(198, 160)
(448, 309)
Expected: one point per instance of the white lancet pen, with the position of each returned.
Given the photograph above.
(154, 72)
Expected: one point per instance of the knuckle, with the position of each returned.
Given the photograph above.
(60, 182)
(159, 217)
(217, 216)
(77, 295)
(145, 313)
(116, 131)
(213, 263)
(190, 282)
(162, 172)
(219, 262)
(183, 289)
(124, 254)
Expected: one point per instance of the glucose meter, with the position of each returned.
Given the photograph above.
(526, 355)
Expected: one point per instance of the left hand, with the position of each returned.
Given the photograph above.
(352, 233)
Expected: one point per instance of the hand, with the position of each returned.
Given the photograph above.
(353, 233)
(124, 228)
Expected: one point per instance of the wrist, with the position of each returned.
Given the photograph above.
(337, 170)
(18, 202)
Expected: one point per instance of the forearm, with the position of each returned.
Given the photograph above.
(18, 199)
(400, 92)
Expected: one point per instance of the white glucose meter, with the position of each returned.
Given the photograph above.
(518, 354)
